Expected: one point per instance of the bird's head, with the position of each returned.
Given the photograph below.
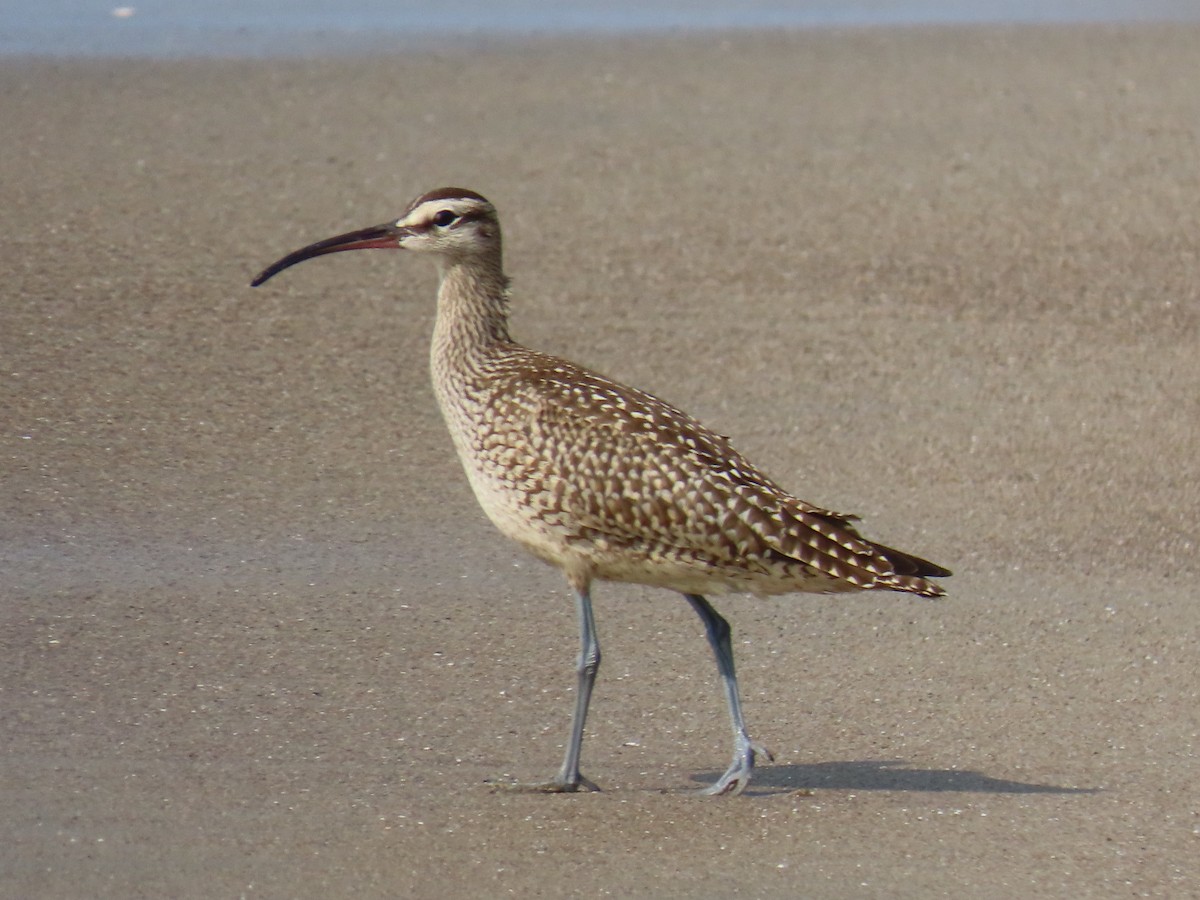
(452, 223)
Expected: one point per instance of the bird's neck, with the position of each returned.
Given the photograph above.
(472, 312)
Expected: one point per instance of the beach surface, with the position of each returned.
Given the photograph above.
(257, 639)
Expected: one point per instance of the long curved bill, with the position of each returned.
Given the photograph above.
(379, 237)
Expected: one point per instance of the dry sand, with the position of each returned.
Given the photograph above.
(259, 641)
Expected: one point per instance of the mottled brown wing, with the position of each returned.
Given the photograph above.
(640, 471)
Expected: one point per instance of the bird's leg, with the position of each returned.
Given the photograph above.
(569, 778)
(586, 667)
(737, 776)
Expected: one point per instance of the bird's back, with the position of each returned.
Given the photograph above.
(593, 475)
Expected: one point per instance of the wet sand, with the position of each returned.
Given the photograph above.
(258, 640)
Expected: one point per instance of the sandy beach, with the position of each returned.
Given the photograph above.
(259, 641)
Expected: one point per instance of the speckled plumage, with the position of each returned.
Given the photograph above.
(610, 482)
(606, 481)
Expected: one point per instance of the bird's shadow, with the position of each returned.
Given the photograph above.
(884, 775)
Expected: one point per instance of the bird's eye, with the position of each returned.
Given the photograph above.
(444, 218)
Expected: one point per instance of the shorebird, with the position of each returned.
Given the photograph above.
(607, 482)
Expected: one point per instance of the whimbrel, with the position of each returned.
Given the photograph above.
(605, 481)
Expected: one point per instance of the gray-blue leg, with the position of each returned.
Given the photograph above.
(737, 776)
(586, 667)
(569, 778)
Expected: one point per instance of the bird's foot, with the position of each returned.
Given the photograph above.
(557, 785)
(737, 776)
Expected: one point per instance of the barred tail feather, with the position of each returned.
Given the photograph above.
(911, 573)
